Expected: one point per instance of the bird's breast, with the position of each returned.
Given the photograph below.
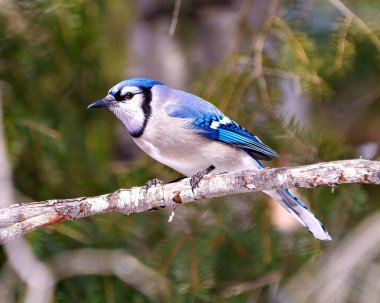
(178, 146)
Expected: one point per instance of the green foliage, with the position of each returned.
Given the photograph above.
(58, 56)
(98, 289)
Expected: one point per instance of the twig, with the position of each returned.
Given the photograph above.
(173, 23)
(342, 43)
(18, 220)
(112, 262)
(359, 22)
(258, 47)
(298, 48)
(235, 289)
(337, 273)
(43, 129)
(274, 72)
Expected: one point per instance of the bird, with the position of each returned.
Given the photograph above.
(193, 137)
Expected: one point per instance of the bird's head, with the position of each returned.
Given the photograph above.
(130, 101)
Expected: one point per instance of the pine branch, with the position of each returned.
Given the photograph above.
(20, 219)
(359, 22)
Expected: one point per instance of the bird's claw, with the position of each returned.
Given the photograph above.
(194, 180)
(153, 183)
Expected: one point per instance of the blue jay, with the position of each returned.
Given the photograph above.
(193, 137)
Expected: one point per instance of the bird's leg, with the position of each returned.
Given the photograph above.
(153, 183)
(194, 180)
(157, 182)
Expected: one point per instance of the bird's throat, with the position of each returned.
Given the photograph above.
(135, 114)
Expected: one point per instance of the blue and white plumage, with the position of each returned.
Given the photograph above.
(190, 134)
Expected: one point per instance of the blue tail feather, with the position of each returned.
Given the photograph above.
(299, 211)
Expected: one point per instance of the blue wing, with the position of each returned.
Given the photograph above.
(223, 129)
(212, 124)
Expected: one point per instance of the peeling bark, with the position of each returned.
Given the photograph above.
(20, 219)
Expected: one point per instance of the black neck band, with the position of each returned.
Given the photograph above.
(147, 110)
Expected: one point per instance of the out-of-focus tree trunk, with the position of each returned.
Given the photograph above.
(36, 275)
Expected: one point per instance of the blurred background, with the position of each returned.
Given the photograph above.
(302, 75)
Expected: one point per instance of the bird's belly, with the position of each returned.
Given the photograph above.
(189, 158)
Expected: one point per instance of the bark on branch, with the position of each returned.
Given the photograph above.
(20, 219)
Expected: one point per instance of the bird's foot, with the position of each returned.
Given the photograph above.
(153, 183)
(194, 180)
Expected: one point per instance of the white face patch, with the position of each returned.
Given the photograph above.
(130, 112)
(130, 89)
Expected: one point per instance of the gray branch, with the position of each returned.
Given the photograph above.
(20, 219)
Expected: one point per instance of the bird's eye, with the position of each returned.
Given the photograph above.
(129, 95)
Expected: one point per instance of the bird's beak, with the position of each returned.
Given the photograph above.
(105, 102)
